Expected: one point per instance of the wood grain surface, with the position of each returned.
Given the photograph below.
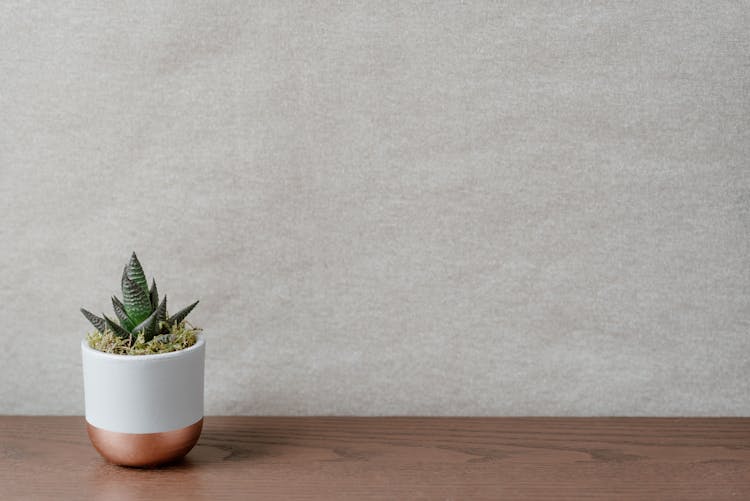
(395, 458)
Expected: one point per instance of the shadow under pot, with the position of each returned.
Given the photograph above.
(144, 410)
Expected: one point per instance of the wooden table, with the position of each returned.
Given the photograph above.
(394, 458)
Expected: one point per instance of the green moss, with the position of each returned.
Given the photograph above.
(179, 337)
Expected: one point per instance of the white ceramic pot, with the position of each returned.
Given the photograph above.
(144, 410)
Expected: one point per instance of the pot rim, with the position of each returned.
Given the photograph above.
(135, 358)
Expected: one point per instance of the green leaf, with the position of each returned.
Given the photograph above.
(119, 308)
(148, 326)
(135, 273)
(180, 315)
(161, 311)
(116, 329)
(136, 300)
(162, 326)
(95, 321)
(153, 294)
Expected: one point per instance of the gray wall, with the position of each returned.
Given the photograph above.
(527, 208)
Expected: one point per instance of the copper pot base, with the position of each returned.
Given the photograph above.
(144, 449)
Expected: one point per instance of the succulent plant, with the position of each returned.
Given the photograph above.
(140, 310)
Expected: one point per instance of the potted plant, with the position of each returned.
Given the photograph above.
(143, 377)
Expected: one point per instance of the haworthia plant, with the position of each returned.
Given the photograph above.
(140, 310)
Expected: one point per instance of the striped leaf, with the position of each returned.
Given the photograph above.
(148, 326)
(163, 338)
(116, 329)
(135, 273)
(153, 294)
(136, 300)
(97, 322)
(125, 321)
(161, 311)
(180, 315)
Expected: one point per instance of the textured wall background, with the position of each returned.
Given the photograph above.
(527, 208)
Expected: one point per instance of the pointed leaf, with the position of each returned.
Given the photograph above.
(135, 273)
(180, 315)
(116, 329)
(125, 321)
(148, 326)
(136, 301)
(162, 327)
(154, 294)
(161, 311)
(95, 321)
